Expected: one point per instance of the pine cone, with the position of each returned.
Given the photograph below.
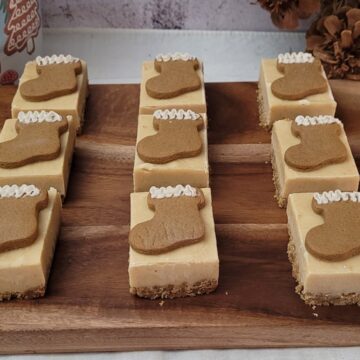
(285, 14)
(335, 39)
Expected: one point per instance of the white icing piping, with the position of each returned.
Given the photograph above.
(175, 56)
(172, 191)
(175, 114)
(335, 196)
(295, 58)
(55, 59)
(316, 120)
(9, 191)
(31, 117)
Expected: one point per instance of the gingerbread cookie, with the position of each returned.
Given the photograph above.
(20, 207)
(339, 237)
(38, 139)
(178, 137)
(57, 77)
(177, 221)
(177, 76)
(320, 143)
(303, 76)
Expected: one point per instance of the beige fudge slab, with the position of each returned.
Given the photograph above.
(320, 282)
(193, 170)
(189, 270)
(272, 108)
(343, 176)
(72, 104)
(24, 272)
(194, 100)
(44, 174)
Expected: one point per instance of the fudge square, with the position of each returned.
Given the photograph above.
(24, 268)
(73, 103)
(188, 270)
(42, 173)
(192, 170)
(324, 242)
(311, 100)
(194, 99)
(311, 154)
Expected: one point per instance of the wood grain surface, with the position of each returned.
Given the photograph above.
(88, 306)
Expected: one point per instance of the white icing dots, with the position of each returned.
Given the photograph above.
(15, 191)
(295, 58)
(55, 59)
(31, 117)
(172, 191)
(175, 114)
(175, 56)
(316, 120)
(335, 196)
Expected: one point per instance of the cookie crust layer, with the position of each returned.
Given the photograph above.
(27, 295)
(282, 202)
(176, 291)
(262, 113)
(316, 299)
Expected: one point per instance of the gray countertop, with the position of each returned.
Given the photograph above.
(115, 55)
(244, 354)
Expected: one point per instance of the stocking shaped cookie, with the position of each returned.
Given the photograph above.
(57, 77)
(178, 137)
(177, 221)
(339, 237)
(177, 76)
(20, 207)
(320, 143)
(38, 139)
(303, 76)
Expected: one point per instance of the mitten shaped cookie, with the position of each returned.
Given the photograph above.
(303, 76)
(20, 207)
(339, 237)
(57, 77)
(38, 139)
(178, 137)
(177, 221)
(320, 143)
(177, 76)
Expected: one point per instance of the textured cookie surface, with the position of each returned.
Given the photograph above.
(299, 81)
(56, 77)
(320, 145)
(339, 237)
(177, 221)
(176, 138)
(38, 139)
(20, 207)
(177, 76)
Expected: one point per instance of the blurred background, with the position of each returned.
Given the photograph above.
(160, 14)
(231, 36)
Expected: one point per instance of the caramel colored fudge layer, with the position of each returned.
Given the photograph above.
(272, 108)
(44, 174)
(24, 272)
(72, 104)
(320, 282)
(192, 170)
(189, 270)
(194, 100)
(343, 176)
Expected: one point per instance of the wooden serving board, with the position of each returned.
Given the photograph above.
(88, 306)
